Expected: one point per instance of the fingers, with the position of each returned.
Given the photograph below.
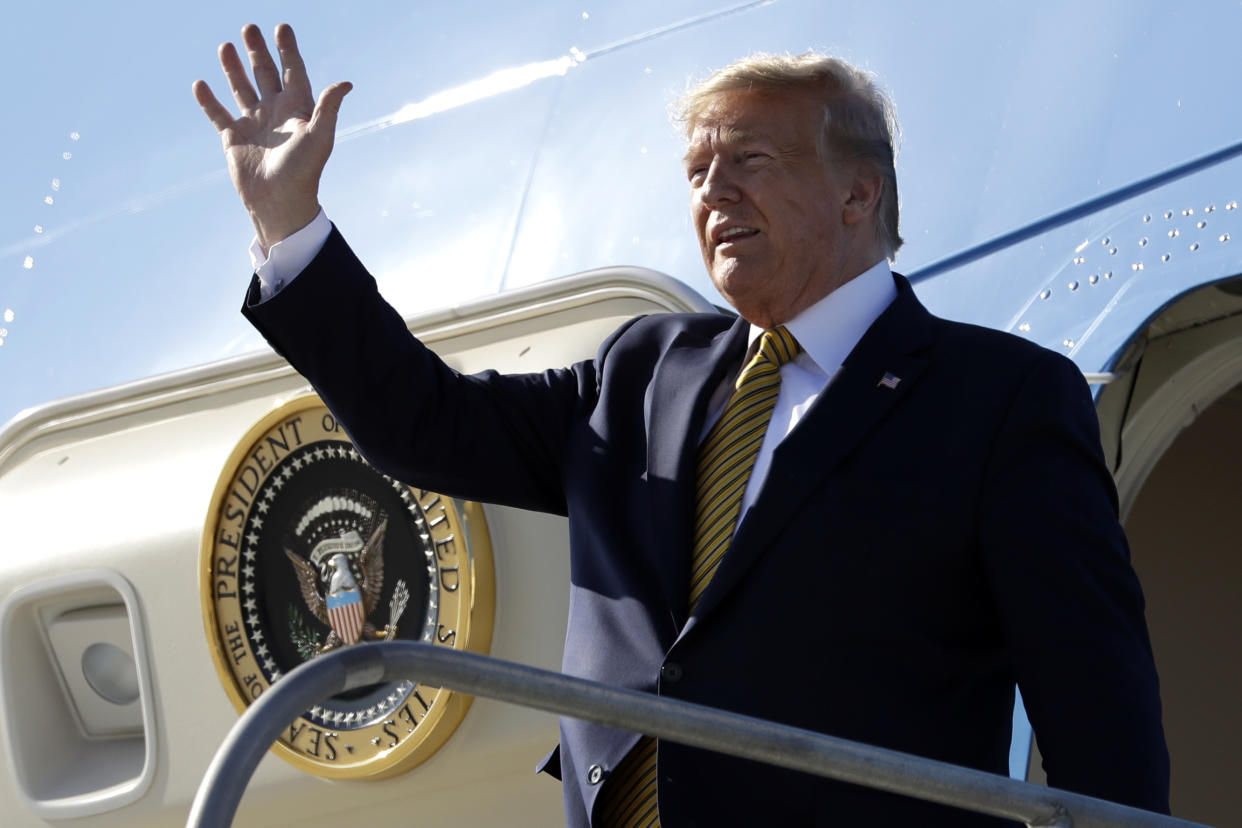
(235, 72)
(269, 79)
(328, 107)
(265, 73)
(294, 76)
(220, 117)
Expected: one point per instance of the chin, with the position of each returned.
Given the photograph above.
(739, 284)
(729, 272)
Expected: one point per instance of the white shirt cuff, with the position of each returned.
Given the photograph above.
(289, 256)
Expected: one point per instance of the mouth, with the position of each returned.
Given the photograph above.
(732, 234)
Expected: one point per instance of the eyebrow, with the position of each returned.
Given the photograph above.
(731, 135)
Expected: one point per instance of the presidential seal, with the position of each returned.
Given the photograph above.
(307, 548)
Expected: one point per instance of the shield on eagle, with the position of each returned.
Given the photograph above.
(345, 614)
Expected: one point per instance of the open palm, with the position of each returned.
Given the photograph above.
(278, 145)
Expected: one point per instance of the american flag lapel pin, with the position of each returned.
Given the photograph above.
(889, 381)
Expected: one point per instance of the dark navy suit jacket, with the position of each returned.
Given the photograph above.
(913, 553)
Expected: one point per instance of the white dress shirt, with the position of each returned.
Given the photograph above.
(288, 257)
(827, 331)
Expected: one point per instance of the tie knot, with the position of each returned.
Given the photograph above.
(778, 345)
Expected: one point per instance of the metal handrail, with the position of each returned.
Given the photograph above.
(690, 724)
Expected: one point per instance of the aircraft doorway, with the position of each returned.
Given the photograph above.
(1171, 424)
(1185, 529)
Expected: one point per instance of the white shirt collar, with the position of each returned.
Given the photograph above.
(829, 329)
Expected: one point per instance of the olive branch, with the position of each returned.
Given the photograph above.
(303, 637)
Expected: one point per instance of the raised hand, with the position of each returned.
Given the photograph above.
(277, 147)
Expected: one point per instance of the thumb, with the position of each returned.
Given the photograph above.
(328, 106)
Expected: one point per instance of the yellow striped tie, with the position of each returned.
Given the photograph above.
(726, 457)
(728, 454)
(628, 799)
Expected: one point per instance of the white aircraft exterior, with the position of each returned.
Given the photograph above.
(1069, 173)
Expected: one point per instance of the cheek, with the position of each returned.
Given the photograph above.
(698, 216)
(807, 226)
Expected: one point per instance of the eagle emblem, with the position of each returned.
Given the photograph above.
(343, 578)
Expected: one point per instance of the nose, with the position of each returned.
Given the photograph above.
(719, 185)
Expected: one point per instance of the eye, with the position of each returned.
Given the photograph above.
(753, 157)
(695, 172)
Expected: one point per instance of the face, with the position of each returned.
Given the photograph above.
(778, 227)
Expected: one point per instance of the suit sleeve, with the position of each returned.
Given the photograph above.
(491, 437)
(1070, 603)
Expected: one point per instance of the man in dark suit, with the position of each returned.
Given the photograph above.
(836, 511)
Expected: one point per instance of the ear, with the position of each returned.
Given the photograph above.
(862, 200)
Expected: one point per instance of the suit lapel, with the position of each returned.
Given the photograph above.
(852, 405)
(690, 370)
